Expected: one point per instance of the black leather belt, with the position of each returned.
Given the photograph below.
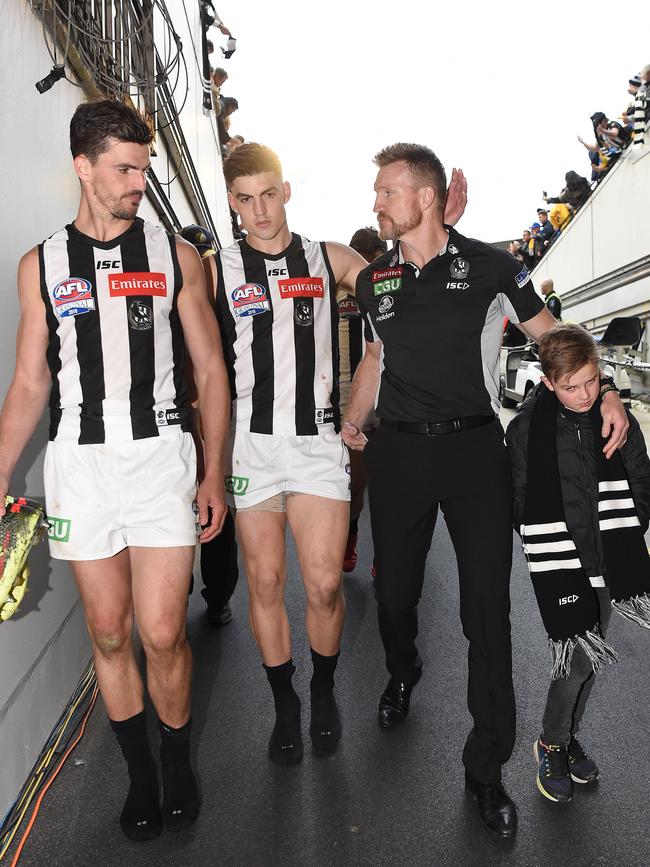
(438, 428)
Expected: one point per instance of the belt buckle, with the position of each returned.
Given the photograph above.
(431, 428)
(457, 424)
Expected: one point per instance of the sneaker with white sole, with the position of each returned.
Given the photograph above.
(553, 777)
(582, 768)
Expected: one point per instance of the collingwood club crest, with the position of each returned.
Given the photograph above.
(459, 268)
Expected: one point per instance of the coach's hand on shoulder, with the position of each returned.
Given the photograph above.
(353, 436)
(615, 423)
(456, 198)
(211, 502)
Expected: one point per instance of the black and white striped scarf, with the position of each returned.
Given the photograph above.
(566, 599)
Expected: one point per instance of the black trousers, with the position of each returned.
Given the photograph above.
(219, 569)
(467, 474)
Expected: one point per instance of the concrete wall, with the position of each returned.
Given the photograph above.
(44, 647)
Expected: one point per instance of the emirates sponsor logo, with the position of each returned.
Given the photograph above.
(137, 283)
(387, 274)
(301, 287)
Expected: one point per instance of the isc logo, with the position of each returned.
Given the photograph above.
(276, 272)
(108, 263)
(455, 285)
(567, 600)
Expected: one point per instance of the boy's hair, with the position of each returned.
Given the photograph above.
(97, 121)
(368, 243)
(565, 349)
(423, 164)
(250, 159)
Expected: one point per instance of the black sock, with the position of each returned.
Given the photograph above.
(285, 746)
(322, 680)
(287, 703)
(140, 818)
(354, 526)
(180, 792)
(325, 725)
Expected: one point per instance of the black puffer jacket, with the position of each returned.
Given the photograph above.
(577, 462)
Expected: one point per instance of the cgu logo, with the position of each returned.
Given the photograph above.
(567, 600)
(108, 263)
(236, 485)
(58, 529)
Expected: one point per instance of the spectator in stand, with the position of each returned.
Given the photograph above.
(537, 242)
(551, 298)
(235, 142)
(228, 105)
(575, 193)
(546, 232)
(610, 142)
(528, 249)
(218, 78)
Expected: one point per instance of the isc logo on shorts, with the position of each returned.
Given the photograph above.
(137, 283)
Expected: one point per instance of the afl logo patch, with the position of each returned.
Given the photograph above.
(140, 316)
(73, 296)
(459, 268)
(249, 299)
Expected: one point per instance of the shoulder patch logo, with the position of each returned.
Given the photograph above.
(522, 277)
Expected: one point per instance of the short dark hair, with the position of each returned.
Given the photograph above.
(250, 159)
(368, 243)
(423, 164)
(97, 121)
(565, 349)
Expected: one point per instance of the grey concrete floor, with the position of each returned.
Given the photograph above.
(384, 798)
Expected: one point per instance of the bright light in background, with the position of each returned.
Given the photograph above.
(501, 90)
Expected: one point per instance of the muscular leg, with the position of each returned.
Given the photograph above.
(262, 539)
(161, 579)
(105, 590)
(320, 528)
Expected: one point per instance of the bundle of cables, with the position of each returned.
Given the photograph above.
(65, 736)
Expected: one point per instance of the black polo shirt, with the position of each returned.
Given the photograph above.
(441, 327)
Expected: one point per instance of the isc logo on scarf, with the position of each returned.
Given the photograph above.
(301, 287)
(73, 296)
(137, 283)
(249, 300)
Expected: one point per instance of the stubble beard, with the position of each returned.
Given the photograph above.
(389, 230)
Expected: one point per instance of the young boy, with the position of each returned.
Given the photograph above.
(582, 519)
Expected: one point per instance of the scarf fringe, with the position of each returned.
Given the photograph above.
(636, 609)
(597, 650)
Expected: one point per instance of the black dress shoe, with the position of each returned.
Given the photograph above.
(218, 615)
(394, 704)
(497, 811)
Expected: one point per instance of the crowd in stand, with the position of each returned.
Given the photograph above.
(611, 138)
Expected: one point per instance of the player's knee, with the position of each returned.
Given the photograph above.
(110, 641)
(325, 593)
(164, 639)
(267, 587)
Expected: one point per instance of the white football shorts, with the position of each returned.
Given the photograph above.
(263, 465)
(101, 499)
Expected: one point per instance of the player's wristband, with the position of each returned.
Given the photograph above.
(608, 388)
(607, 384)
